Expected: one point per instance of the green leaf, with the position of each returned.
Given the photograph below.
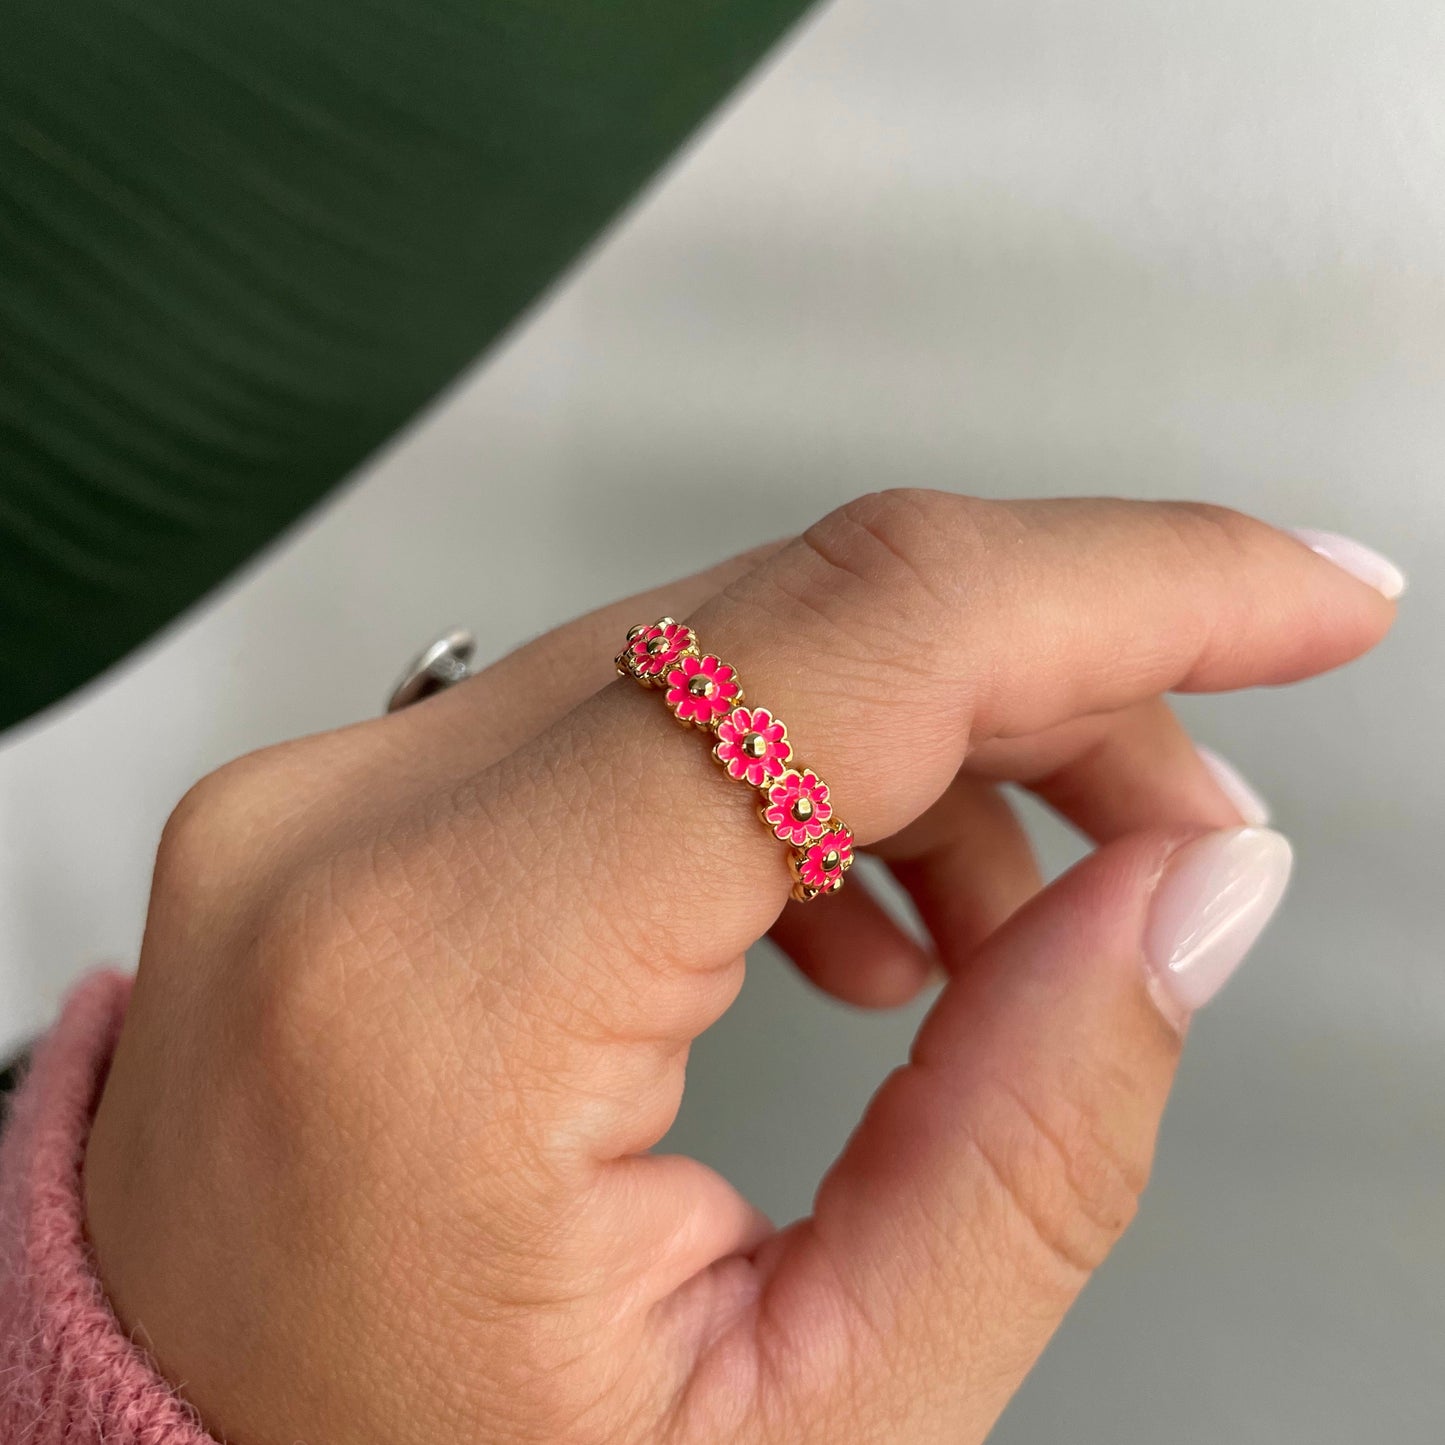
(243, 241)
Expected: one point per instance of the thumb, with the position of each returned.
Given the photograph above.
(995, 1170)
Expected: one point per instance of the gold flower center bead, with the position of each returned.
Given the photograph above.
(831, 859)
(700, 686)
(802, 810)
(658, 644)
(754, 745)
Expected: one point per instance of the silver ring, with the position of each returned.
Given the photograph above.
(446, 662)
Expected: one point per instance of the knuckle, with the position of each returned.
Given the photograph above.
(886, 586)
(885, 579)
(249, 812)
(1210, 536)
(900, 543)
(209, 832)
(1208, 544)
(1065, 1168)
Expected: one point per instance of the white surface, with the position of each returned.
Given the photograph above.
(1150, 248)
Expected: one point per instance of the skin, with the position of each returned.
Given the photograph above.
(416, 997)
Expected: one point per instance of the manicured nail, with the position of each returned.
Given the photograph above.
(1250, 806)
(1212, 901)
(1356, 558)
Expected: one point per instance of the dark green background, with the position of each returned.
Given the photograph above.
(242, 241)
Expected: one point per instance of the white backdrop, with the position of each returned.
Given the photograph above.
(1162, 249)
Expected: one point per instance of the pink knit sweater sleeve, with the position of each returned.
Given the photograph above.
(68, 1373)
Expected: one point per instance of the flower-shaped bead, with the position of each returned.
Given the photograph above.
(819, 867)
(652, 649)
(752, 745)
(700, 690)
(796, 807)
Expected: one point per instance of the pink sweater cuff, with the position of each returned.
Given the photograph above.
(68, 1375)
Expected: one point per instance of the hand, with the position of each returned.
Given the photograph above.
(416, 996)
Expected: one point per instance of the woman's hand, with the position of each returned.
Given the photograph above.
(416, 998)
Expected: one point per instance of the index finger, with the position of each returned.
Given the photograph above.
(891, 637)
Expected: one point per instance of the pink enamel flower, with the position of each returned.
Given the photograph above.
(798, 807)
(700, 690)
(821, 865)
(653, 649)
(752, 745)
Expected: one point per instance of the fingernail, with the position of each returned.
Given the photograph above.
(1356, 558)
(1212, 901)
(1250, 806)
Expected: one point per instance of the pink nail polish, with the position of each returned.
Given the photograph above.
(1357, 559)
(1249, 805)
(1211, 902)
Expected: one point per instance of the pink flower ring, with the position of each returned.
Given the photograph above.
(752, 745)
(797, 807)
(702, 690)
(819, 867)
(653, 648)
